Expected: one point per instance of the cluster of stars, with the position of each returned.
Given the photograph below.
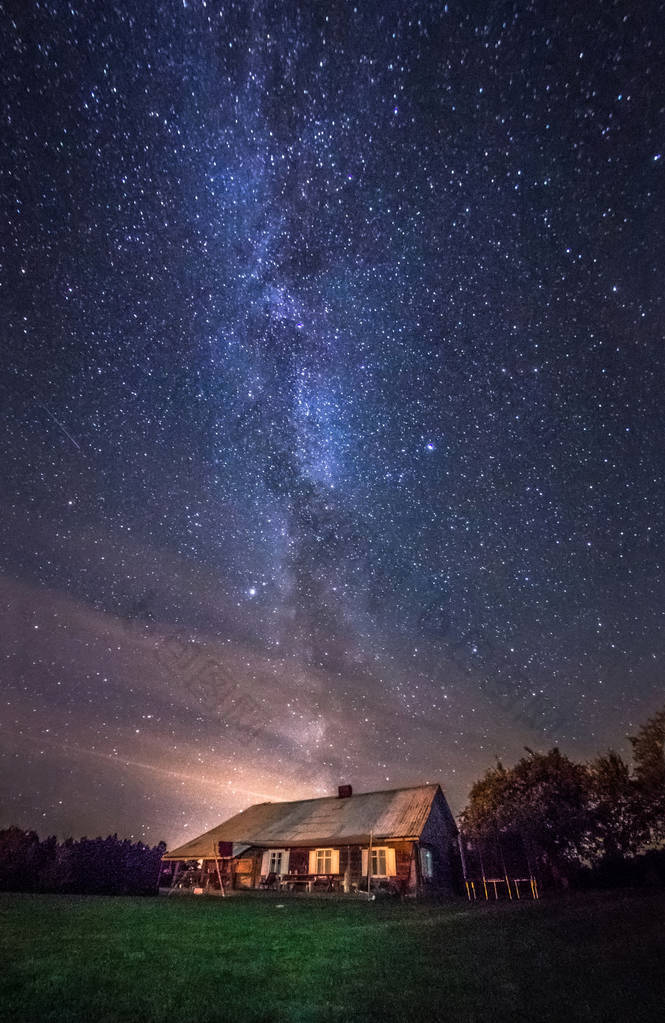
(332, 383)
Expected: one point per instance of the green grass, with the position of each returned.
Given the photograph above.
(186, 960)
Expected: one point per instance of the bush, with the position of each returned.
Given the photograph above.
(644, 871)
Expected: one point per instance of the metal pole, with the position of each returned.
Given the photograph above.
(369, 863)
(482, 871)
(505, 869)
(460, 843)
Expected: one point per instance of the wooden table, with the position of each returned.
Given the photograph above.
(307, 881)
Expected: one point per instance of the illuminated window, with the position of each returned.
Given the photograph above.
(379, 862)
(324, 861)
(382, 863)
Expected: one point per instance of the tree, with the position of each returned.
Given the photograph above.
(569, 815)
(544, 799)
(18, 860)
(649, 760)
(616, 823)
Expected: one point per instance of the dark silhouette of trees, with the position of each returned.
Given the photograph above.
(22, 858)
(579, 820)
(615, 822)
(91, 866)
(649, 759)
(543, 799)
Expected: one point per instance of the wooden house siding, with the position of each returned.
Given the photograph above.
(248, 872)
(299, 861)
(440, 835)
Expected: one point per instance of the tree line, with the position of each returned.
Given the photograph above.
(91, 866)
(577, 824)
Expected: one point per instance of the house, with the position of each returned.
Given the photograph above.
(405, 839)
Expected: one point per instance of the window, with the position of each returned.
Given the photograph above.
(324, 860)
(275, 861)
(379, 865)
(383, 862)
(426, 862)
(275, 865)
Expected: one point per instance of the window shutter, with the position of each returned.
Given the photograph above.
(364, 871)
(312, 861)
(285, 861)
(335, 861)
(265, 863)
(391, 868)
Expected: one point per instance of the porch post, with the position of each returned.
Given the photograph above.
(176, 872)
(221, 885)
(419, 873)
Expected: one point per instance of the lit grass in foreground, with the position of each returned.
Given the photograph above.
(187, 960)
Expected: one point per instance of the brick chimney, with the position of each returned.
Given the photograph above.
(344, 791)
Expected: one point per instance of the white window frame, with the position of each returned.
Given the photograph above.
(379, 860)
(324, 861)
(269, 864)
(323, 854)
(426, 862)
(387, 853)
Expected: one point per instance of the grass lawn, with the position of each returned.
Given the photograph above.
(188, 960)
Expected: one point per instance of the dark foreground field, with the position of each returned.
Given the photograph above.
(184, 960)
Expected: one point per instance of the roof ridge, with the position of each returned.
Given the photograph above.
(319, 799)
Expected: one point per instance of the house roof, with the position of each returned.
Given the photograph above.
(397, 813)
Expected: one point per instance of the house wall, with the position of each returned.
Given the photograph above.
(247, 869)
(355, 858)
(298, 861)
(404, 862)
(440, 835)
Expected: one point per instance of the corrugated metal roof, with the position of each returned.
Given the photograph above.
(397, 813)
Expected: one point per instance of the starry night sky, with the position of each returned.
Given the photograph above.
(332, 374)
